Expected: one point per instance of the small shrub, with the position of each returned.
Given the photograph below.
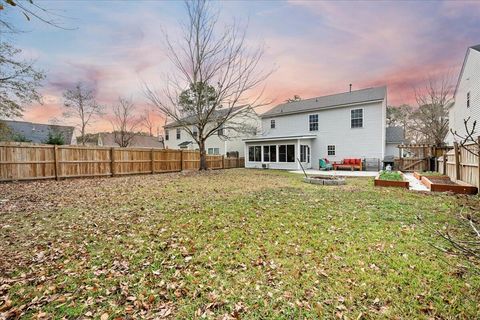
(55, 138)
(390, 175)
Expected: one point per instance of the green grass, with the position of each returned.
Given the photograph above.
(249, 243)
(391, 176)
(430, 173)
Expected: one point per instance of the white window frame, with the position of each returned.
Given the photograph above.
(286, 153)
(167, 135)
(254, 153)
(468, 99)
(305, 153)
(179, 134)
(331, 151)
(195, 131)
(212, 151)
(310, 122)
(351, 118)
(273, 124)
(270, 147)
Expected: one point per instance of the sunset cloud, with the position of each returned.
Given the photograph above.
(315, 47)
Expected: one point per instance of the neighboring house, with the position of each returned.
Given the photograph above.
(393, 137)
(339, 126)
(107, 139)
(36, 132)
(225, 140)
(467, 95)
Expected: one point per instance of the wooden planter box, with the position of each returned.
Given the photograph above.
(458, 187)
(419, 176)
(390, 183)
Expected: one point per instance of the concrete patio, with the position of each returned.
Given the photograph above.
(345, 173)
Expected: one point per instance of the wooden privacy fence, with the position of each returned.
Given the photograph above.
(461, 165)
(21, 161)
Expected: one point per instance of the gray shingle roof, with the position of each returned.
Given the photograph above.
(330, 101)
(138, 140)
(477, 47)
(394, 135)
(38, 132)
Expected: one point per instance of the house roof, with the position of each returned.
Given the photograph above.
(185, 143)
(476, 48)
(38, 132)
(139, 140)
(394, 135)
(327, 102)
(193, 119)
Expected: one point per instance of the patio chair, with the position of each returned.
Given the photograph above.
(323, 164)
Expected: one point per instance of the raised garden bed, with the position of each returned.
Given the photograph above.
(325, 180)
(432, 174)
(440, 184)
(391, 179)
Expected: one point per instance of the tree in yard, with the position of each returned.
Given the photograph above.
(81, 105)
(148, 121)
(19, 82)
(430, 119)
(398, 116)
(124, 122)
(215, 75)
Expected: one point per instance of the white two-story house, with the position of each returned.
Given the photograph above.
(467, 96)
(335, 127)
(227, 140)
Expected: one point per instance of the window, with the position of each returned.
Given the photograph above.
(286, 153)
(331, 150)
(270, 153)
(356, 118)
(304, 153)
(213, 151)
(313, 122)
(179, 134)
(468, 99)
(167, 135)
(255, 154)
(195, 131)
(272, 124)
(220, 131)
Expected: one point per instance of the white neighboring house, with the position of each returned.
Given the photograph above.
(467, 95)
(393, 137)
(339, 126)
(225, 140)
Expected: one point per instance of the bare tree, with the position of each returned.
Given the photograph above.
(295, 98)
(19, 82)
(430, 119)
(124, 122)
(148, 121)
(215, 75)
(81, 104)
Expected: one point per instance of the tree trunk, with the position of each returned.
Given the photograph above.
(203, 156)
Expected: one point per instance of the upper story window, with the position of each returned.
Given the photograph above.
(179, 134)
(468, 99)
(313, 122)
(195, 131)
(356, 118)
(220, 131)
(167, 135)
(272, 124)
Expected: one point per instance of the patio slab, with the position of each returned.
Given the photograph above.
(344, 173)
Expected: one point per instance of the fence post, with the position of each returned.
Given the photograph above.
(223, 161)
(181, 160)
(444, 163)
(478, 164)
(457, 161)
(55, 158)
(153, 161)
(112, 161)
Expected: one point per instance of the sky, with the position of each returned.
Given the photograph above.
(314, 47)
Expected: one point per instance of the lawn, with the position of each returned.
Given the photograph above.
(227, 244)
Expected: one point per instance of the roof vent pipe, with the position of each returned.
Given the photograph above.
(350, 87)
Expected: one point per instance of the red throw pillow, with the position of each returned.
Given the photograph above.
(357, 161)
(347, 161)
